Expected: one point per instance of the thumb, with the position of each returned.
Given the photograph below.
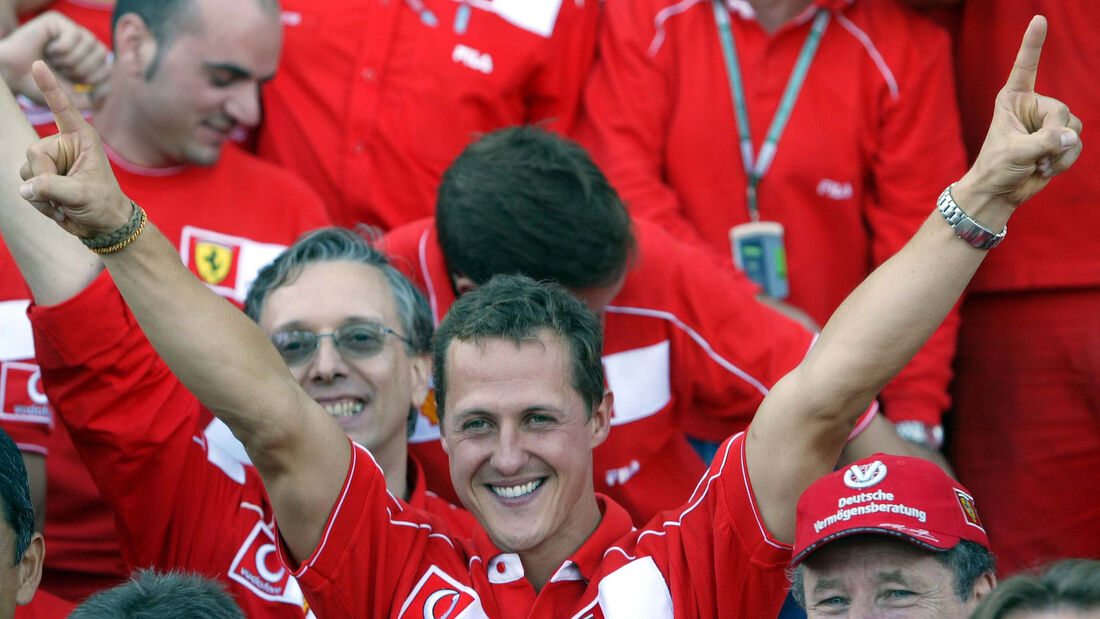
(1046, 142)
(53, 188)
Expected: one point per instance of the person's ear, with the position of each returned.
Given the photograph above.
(985, 584)
(601, 419)
(135, 45)
(463, 284)
(30, 569)
(420, 368)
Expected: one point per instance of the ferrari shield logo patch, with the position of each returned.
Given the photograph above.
(970, 511)
(213, 261)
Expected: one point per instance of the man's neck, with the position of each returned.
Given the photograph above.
(394, 461)
(114, 124)
(540, 563)
(772, 14)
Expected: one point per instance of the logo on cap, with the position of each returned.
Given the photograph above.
(970, 511)
(861, 476)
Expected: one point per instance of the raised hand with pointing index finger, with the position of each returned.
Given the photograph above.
(1031, 137)
(68, 176)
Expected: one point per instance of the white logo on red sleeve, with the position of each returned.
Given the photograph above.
(21, 395)
(864, 475)
(439, 596)
(258, 567)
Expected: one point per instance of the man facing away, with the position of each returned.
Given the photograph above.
(520, 390)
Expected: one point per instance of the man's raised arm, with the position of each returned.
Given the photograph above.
(213, 348)
(801, 426)
(55, 265)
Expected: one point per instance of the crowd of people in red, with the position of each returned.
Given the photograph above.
(644, 422)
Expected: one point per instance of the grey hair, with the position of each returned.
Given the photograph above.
(149, 595)
(357, 246)
(967, 561)
(344, 245)
(1070, 584)
(15, 496)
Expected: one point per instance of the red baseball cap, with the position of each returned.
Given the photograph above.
(908, 498)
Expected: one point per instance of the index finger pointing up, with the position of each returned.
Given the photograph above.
(65, 114)
(1022, 78)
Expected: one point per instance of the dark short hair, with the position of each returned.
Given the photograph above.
(149, 595)
(524, 201)
(518, 308)
(967, 561)
(1071, 584)
(15, 492)
(166, 19)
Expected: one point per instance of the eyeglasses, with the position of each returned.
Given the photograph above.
(353, 341)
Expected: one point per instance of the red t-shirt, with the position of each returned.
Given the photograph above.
(872, 139)
(179, 500)
(710, 558)
(44, 606)
(374, 99)
(1053, 242)
(229, 221)
(686, 349)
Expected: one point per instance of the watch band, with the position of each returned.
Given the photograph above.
(920, 433)
(964, 226)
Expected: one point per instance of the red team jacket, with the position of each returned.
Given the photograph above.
(228, 221)
(374, 98)
(683, 341)
(872, 140)
(710, 558)
(179, 500)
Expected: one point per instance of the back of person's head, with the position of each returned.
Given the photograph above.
(524, 201)
(343, 245)
(517, 308)
(171, 595)
(16, 495)
(1071, 587)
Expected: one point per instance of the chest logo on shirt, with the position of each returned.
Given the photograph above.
(21, 396)
(213, 261)
(258, 567)
(438, 596)
(472, 59)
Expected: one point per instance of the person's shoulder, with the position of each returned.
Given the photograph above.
(405, 240)
(890, 24)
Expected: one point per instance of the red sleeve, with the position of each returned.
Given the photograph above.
(373, 549)
(714, 554)
(135, 426)
(25, 413)
(626, 110)
(728, 348)
(920, 152)
(555, 89)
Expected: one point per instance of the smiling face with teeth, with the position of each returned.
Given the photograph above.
(369, 397)
(520, 444)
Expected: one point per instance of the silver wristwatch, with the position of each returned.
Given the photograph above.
(923, 434)
(966, 228)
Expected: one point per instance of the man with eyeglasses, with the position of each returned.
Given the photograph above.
(355, 334)
(524, 405)
(353, 331)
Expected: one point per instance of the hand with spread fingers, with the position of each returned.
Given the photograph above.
(68, 176)
(80, 59)
(1031, 137)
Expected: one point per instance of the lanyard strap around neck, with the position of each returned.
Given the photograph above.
(757, 166)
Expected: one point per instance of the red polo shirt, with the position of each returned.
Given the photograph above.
(373, 99)
(872, 140)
